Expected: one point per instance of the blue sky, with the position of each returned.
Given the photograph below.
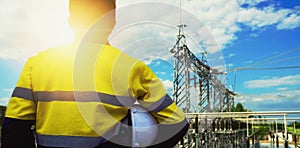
(235, 33)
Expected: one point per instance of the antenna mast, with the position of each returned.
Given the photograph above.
(180, 13)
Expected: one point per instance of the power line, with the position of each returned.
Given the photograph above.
(280, 61)
(265, 68)
(270, 58)
(265, 62)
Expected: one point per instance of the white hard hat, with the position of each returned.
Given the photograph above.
(144, 127)
(138, 129)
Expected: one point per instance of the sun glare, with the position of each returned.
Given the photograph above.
(49, 25)
(58, 22)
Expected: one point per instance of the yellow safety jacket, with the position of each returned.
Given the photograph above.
(78, 97)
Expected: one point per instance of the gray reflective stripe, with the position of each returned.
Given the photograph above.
(163, 103)
(69, 141)
(83, 97)
(24, 93)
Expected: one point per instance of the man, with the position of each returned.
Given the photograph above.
(78, 95)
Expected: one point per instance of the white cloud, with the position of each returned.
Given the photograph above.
(229, 65)
(254, 35)
(291, 22)
(228, 56)
(222, 27)
(30, 26)
(145, 44)
(264, 83)
(213, 24)
(161, 73)
(199, 28)
(168, 86)
(148, 60)
(261, 98)
(282, 89)
(250, 2)
(8, 89)
(4, 101)
(272, 97)
(249, 62)
(256, 18)
(231, 55)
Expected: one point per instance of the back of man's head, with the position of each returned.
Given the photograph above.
(84, 13)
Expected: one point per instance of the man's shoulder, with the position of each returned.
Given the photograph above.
(120, 55)
(123, 59)
(52, 54)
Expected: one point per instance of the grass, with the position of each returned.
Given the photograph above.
(291, 129)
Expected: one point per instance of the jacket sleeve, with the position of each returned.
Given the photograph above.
(17, 133)
(149, 90)
(20, 112)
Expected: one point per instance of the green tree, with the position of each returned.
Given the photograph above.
(238, 108)
(2, 113)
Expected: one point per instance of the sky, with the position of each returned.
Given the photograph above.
(257, 42)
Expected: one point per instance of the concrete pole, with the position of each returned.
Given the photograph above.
(248, 127)
(285, 127)
(253, 139)
(295, 131)
(197, 132)
(277, 142)
(271, 135)
(276, 126)
(285, 132)
(295, 127)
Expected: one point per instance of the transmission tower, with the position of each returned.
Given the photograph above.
(187, 67)
(189, 72)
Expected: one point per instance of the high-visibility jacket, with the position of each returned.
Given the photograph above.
(78, 97)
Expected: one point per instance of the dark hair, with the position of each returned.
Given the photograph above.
(84, 12)
(106, 5)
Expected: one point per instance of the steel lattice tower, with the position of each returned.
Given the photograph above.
(190, 72)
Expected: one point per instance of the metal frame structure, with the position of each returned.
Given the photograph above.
(207, 108)
(191, 72)
(233, 129)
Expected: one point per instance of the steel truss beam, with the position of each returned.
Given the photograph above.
(209, 93)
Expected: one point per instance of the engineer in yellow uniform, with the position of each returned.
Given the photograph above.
(81, 95)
